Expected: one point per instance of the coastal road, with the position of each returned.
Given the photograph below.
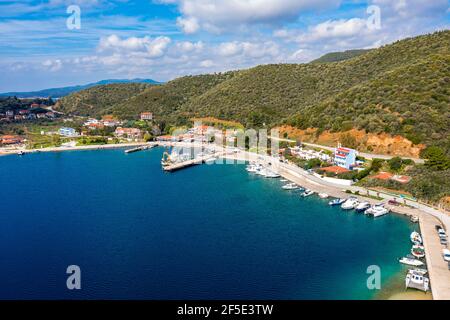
(369, 156)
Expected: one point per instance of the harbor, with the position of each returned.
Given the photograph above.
(438, 268)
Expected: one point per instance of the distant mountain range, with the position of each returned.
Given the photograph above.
(64, 91)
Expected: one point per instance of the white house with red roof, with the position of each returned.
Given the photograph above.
(344, 157)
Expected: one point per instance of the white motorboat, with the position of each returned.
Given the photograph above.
(284, 180)
(337, 202)
(350, 204)
(417, 280)
(414, 219)
(416, 238)
(323, 196)
(421, 271)
(307, 193)
(254, 168)
(271, 174)
(377, 210)
(418, 251)
(290, 186)
(21, 153)
(411, 262)
(363, 206)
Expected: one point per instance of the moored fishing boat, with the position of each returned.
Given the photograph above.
(363, 206)
(417, 280)
(411, 262)
(418, 251)
(421, 271)
(337, 202)
(307, 193)
(377, 210)
(350, 204)
(271, 174)
(290, 186)
(416, 238)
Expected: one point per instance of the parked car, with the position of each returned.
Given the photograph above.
(446, 254)
(443, 241)
(393, 202)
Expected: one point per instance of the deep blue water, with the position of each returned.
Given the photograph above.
(207, 232)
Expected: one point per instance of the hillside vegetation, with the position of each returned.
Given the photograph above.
(402, 88)
(340, 56)
(94, 101)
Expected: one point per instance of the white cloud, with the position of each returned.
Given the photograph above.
(52, 65)
(188, 25)
(152, 47)
(217, 15)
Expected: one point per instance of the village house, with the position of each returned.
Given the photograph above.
(345, 157)
(68, 132)
(10, 139)
(130, 133)
(146, 116)
(110, 121)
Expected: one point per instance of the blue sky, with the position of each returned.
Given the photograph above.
(164, 39)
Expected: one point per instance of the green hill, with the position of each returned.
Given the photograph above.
(402, 88)
(340, 56)
(96, 100)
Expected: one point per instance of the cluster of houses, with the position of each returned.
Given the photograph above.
(25, 114)
(106, 121)
(11, 140)
(200, 133)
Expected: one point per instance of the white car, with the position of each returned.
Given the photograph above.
(446, 254)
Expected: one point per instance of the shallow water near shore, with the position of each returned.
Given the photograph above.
(206, 232)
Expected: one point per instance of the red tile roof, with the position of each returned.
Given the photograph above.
(335, 169)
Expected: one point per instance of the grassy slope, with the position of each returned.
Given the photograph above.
(95, 101)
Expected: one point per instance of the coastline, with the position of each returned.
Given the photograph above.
(76, 148)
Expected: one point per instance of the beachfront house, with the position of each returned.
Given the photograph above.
(68, 132)
(345, 157)
(146, 116)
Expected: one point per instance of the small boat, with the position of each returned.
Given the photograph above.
(417, 281)
(350, 204)
(337, 202)
(418, 251)
(284, 180)
(307, 193)
(20, 153)
(414, 219)
(421, 271)
(377, 210)
(271, 174)
(411, 262)
(290, 186)
(323, 196)
(363, 206)
(416, 238)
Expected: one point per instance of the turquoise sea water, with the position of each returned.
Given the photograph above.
(207, 232)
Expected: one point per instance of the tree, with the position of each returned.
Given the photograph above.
(147, 137)
(436, 158)
(395, 164)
